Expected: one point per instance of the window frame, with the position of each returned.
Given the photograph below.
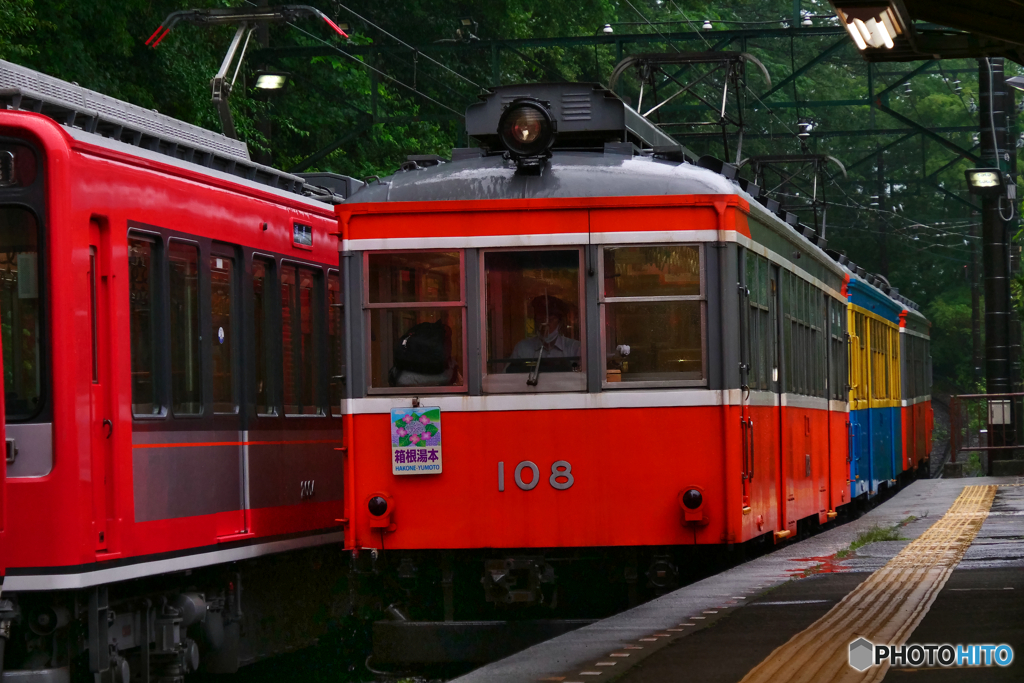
(342, 380)
(702, 297)
(368, 309)
(227, 251)
(547, 382)
(319, 292)
(168, 242)
(158, 309)
(272, 323)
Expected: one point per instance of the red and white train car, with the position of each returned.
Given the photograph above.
(578, 354)
(172, 336)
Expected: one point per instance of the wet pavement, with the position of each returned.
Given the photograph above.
(721, 628)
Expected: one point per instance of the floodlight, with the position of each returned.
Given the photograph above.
(871, 25)
(270, 81)
(986, 182)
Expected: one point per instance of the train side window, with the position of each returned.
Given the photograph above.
(262, 271)
(533, 313)
(222, 337)
(186, 378)
(335, 340)
(142, 296)
(653, 308)
(300, 383)
(21, 312)
(416, 307)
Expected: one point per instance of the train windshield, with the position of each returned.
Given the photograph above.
(20, 312)
(533, 311)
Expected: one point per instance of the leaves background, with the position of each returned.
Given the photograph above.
(917, 232)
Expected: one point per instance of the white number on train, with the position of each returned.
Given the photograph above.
(561, 475)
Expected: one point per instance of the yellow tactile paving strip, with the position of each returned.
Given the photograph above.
(886, 608)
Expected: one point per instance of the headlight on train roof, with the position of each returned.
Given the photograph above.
(526, 128)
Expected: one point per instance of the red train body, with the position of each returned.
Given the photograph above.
(173, 436)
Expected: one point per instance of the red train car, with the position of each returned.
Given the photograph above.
(579, 354)
(173, 368)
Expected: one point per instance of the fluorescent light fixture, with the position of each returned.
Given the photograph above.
(271, 81)
(987, 182)
(871, 25)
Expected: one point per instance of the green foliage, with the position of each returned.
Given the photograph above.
(359, 107)
(877, 533)
(974, 467)
(17, 21)
(950, 314)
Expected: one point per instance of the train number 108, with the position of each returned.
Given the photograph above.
(560, 479)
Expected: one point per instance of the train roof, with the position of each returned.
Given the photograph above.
(83, 111)
(603, 149)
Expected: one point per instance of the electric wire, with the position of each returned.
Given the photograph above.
(692, 25)
(377, 71)
(640, 14)
(399, 40)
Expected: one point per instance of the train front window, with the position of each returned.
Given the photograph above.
(653, 307)
(533, 319)
(416, 306)
(20, 312)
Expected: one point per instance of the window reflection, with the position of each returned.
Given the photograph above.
(653, 314)
(186, 383)
(261, 340)
(416, 319)
(222, 294)
(20, 312)
(533, 311)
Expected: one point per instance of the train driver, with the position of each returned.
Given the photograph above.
(549, 317)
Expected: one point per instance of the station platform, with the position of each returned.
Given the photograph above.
(954, 576)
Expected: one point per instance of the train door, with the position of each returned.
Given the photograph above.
(776, 386)
(101, 413)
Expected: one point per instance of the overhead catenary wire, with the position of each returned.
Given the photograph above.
(387, 76)
(641, 15)
(399, 40)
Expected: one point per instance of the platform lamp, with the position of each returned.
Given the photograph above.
(468, 28)
(870, 24)
(271, 80)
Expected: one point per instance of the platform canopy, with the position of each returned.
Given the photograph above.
(909, 30)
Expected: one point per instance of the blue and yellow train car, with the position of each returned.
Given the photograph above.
(877, 457)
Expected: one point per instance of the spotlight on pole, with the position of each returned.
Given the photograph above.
(266, 80)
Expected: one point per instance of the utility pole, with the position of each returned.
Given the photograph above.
(975, 310)
(263, 121)
(994, 233)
